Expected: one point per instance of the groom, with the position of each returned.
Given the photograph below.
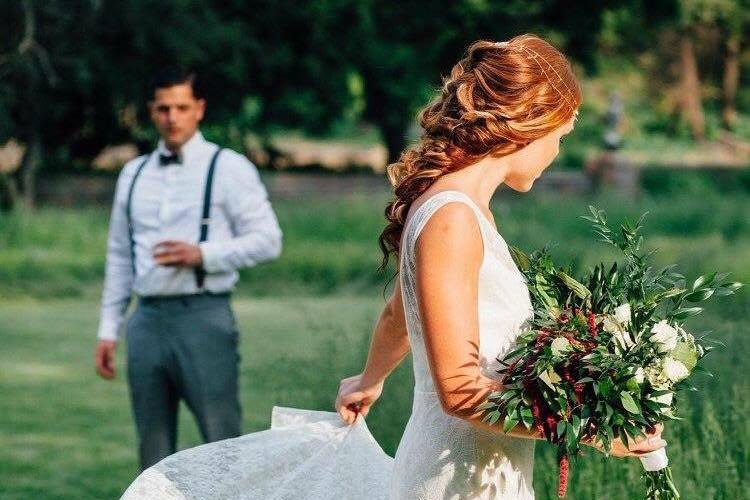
(185, 218)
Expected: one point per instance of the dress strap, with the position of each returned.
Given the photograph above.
(427, 209)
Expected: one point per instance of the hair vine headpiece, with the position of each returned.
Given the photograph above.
(541, 62)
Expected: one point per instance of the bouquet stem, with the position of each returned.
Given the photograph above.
(658, 476)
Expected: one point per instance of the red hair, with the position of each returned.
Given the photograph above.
(499, 98)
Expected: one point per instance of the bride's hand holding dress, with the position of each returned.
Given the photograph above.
(388, 348)
(355, 397)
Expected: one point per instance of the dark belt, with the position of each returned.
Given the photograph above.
(168, 299)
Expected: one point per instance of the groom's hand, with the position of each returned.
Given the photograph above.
(104, 358)
(177, 253)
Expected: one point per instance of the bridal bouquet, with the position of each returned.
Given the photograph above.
(605, 355)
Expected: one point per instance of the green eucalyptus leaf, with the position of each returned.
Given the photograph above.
(625, 437)
(495, 417)
(578, 288)
(686, 312)
(576, 425)
(672, 292)
(527, 417)
(512, 406)
(610, 437)
(508, 394)
(492, 417)
(570, 438)
(487, 405)
(522, 260)
(629, 403)
(509, 424)
(703, 279)
(728, 289)
(699, 295)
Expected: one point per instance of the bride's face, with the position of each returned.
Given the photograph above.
(527, 164)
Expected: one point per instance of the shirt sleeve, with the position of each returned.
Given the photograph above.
(118, 275)
(257, 235)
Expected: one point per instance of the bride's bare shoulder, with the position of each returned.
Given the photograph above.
(451, 232)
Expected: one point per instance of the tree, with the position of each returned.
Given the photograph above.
(682, 34)
(734, 20)
(31, 71)
(730, 18)
(401, 49)
(67, 96)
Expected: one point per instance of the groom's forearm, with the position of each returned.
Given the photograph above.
(390, 343)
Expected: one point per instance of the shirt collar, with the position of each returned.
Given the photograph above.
(188, 150)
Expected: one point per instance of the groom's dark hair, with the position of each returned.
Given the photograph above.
(177, 75)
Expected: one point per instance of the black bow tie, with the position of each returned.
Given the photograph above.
(169, 159)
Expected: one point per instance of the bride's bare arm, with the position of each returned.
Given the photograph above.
(449, 254)
(389, 346)
(390, 343)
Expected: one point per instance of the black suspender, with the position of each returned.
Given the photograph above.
(200, 272)
(128, 210)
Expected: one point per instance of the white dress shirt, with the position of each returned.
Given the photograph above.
(167, 204)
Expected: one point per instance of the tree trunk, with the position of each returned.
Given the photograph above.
(383, 108)
(25, 176)
(731, 81)
(8, 193)
(395, 140)
(690, 89)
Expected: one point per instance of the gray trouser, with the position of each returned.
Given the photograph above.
(182, 348)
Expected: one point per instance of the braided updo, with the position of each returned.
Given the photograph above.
(499, 98)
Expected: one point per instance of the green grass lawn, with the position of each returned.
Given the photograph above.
(65, 433)
(305, 321)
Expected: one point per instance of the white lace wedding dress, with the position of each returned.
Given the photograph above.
(313, 455)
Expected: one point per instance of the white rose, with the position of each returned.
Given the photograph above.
(610, 324)
(664, 399)
(559, 346)
(674, 370)
(616, 325)
(622, 314)
(623, 339)
(656, 377)
(664, 336)
(640, 375)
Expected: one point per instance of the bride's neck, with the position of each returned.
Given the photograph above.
(479, 180)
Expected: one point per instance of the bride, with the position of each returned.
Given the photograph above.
(459, 303)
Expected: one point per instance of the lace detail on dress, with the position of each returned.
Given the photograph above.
(305, 454)
(442, 457)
